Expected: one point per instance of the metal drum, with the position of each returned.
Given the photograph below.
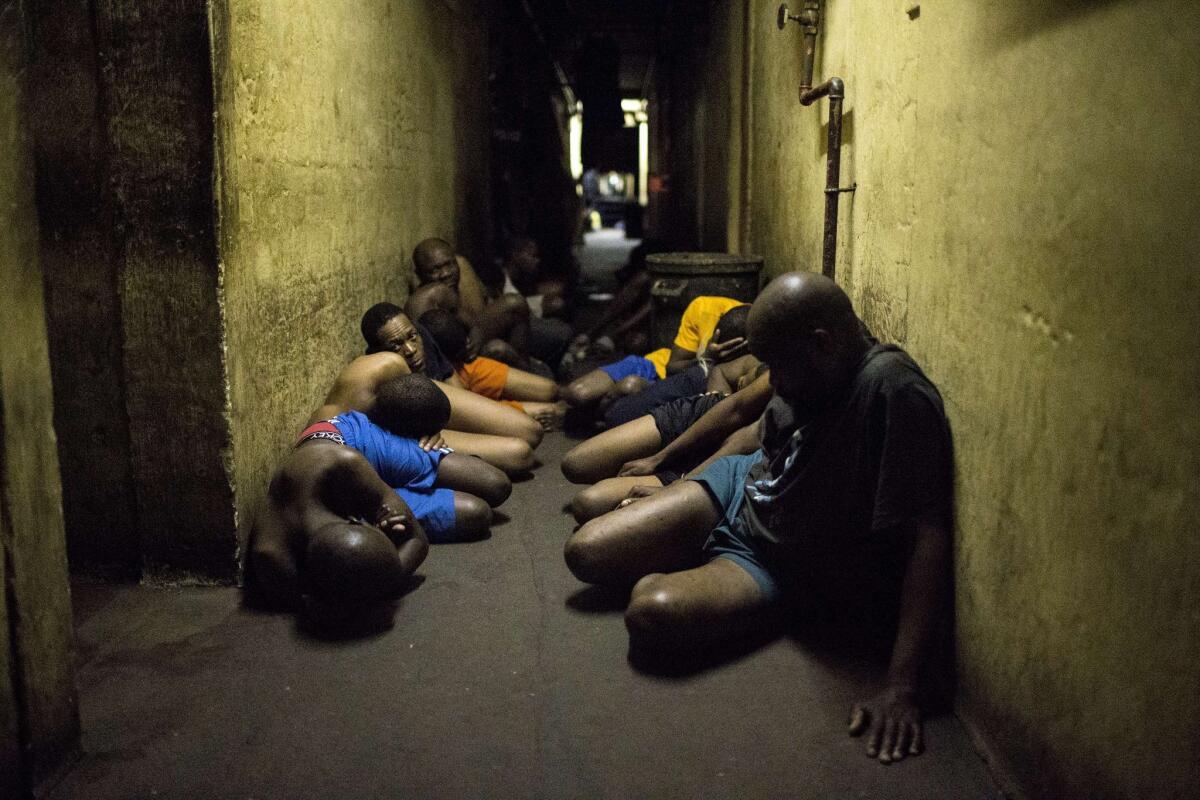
(679, 278)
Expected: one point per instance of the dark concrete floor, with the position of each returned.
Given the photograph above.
(500, 677)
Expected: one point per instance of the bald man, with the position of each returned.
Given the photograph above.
(855, 460)
(447, 281)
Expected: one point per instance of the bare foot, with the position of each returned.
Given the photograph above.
(549, 415)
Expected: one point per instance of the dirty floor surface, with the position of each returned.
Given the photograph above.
(500, 677)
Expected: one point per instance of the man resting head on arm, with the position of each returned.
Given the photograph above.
(331, 535)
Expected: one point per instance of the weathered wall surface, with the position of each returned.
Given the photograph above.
(38, 717)
(1025, 225)
(79, 260)
(346, 134)
(157, 81)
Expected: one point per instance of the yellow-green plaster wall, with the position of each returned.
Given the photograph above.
(346, 133)
(39, 721)
(1025, 225)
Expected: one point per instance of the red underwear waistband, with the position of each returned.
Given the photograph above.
(325, 429)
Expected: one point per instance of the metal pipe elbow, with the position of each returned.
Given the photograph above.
(834, 88)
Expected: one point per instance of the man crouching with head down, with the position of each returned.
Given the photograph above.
(333, 536)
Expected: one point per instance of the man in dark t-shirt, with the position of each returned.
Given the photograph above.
(855, 449)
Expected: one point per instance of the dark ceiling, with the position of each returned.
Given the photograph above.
(633, 25)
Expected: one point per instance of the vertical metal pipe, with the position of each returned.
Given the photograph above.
(810, 54)
(833, 171)
(835, 89)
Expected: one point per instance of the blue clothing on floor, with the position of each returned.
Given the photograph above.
(631, 365)
(434, 509)
(403, 465)
(725, 481)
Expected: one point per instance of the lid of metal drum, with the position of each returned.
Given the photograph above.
(702, 263)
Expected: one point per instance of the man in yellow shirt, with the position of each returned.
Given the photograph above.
(712, 330)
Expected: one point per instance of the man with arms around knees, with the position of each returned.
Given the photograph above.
(855, 452)
(331, 534)
(674, 439)
(450, 494)
(446, 281)
(531, 394)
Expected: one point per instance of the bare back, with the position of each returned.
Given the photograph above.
(354, 388)
(298, 502)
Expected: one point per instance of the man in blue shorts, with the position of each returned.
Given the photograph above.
(710, 332)
(331, 538)
(450, 494)
(855, 452)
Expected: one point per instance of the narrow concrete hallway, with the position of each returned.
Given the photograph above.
(502, 677)
(199, 199)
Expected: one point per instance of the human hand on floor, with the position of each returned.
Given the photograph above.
(892, 722)
(639, 467)
(637, 493)
(432, 442)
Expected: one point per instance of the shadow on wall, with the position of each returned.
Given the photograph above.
(1025, 19)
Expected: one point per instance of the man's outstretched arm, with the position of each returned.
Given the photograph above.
(892, 719)
(706, 435)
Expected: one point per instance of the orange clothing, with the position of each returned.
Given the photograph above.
(486, 377)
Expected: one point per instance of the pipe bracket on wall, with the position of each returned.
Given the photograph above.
(835, 90)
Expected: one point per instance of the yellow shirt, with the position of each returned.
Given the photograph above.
(695, 329)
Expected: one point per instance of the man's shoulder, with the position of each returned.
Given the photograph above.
(888, 369)
(712, 304)
(382, 365)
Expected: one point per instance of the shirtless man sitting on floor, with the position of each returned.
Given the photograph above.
(450, 494)
(447, 281)
(332, 535)
(495, 380)
(500, 435)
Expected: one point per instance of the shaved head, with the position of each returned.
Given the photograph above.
(799, 302)
(804, 326)
(429, 250)
(435, 260)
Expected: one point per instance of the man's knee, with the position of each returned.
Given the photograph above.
(656, 613)
(494, 485)
(590, 503)
(472, 516)
(514, 305)
(515, 455)
(575, 394)
(587, 553)
(630, 384)
(530, 431)
(577, 465)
